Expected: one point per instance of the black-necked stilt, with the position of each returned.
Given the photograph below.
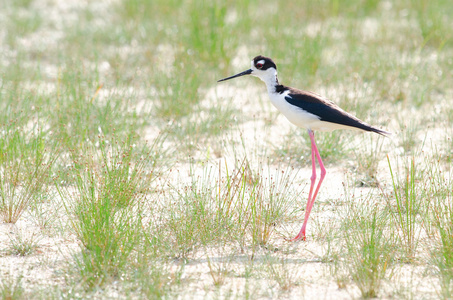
(305, 109)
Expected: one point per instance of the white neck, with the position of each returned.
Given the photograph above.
(270, 79)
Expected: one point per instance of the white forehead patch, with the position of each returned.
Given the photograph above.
(260, 62)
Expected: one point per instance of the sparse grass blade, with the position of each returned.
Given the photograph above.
(408, 198)
(440, 220)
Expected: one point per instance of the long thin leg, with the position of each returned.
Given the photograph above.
(312, 197)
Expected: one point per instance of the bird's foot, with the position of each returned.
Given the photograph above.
(299, 237)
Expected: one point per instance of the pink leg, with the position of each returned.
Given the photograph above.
(311, 196)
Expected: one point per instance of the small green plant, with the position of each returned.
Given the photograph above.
(23, 244)
(370, 251)
(11, 288)
(284, 274)
(218, 271)
(442, 256)
(207, 33)
(441, 218)
(271, 202)
(44, 210)
(153, 280)
(23, 24)
(106, 205)
(408, 197)
(25, 163)
(260, 200)
(341, 274)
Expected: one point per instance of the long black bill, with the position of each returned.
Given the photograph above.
(248, 72)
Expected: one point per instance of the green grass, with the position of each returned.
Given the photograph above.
(12, 288)
(407, 208)
(440, 193)
(27, 156)
(106, 206)
(22, 245)
(286, 276)
(144, 178)
(225, 204)
(370, 248)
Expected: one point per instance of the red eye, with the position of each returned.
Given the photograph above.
(259, 65)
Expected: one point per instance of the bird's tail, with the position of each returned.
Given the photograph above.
(379, 131)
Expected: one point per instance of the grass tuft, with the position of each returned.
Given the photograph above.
(370, 249)
(11, 288)
(441, 196)
(25, 165)
(407, 194)
(284, 274)
(23, 244)
(106, 205)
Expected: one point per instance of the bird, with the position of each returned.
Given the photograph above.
(305, 110)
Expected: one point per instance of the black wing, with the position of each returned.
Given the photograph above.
(327, 111)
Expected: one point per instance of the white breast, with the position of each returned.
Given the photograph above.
(294, 114)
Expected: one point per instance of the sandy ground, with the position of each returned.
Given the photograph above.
(308, 275)
(311, 277)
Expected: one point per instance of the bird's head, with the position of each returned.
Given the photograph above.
(262, 67)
